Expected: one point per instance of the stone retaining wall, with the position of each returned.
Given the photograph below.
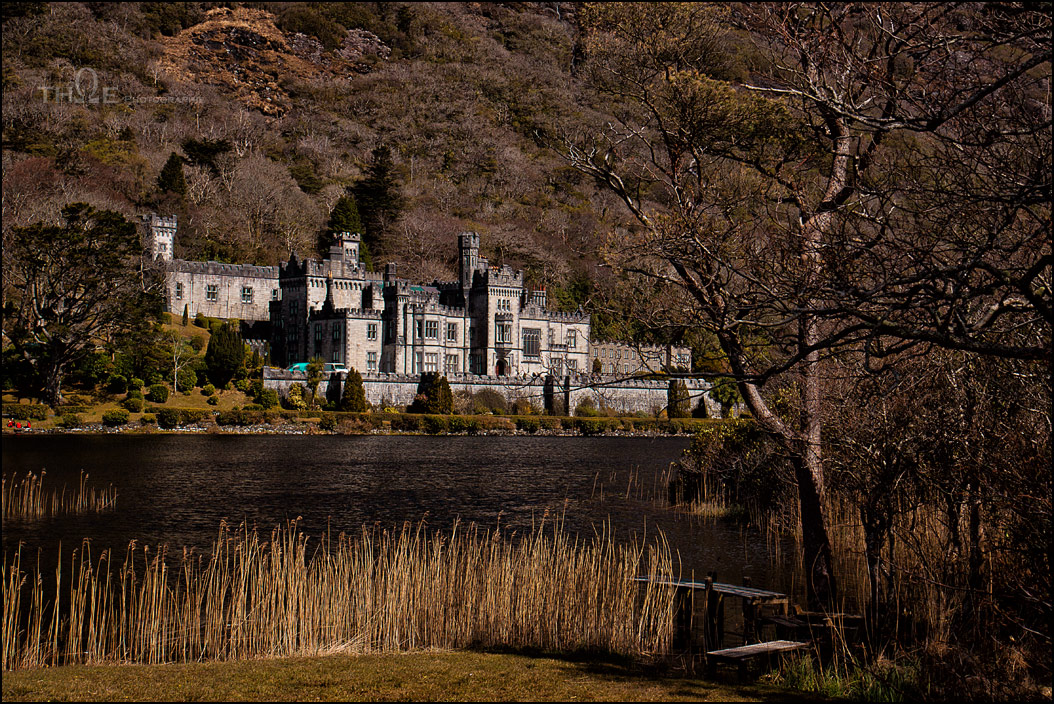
(626, 396)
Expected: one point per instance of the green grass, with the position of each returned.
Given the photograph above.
(421, 676)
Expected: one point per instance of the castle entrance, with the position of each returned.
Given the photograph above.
(502, 368)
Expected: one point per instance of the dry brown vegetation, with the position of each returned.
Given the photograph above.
(28, 498)
(377, 591)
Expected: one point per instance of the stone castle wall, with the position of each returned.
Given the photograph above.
(626, 396)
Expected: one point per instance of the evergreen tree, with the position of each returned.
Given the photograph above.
(315, 372)
(354, 397)
(186, 315)
(343, 218)
(171, 179)
(378, 197)
(225, 355)
(433, 395)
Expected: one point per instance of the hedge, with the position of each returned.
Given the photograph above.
(114, 417)
(26, 411)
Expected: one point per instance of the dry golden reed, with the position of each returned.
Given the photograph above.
(378, 590)
(27, 498)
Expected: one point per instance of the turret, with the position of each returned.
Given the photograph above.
(160, 236)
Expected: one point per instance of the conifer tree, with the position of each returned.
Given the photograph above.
(378, 197)
(186, 315)
(225, 355)
(354, 397)
(171, 179)
(343, 218)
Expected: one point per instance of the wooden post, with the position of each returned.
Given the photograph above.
(682, 634)
(750, 617)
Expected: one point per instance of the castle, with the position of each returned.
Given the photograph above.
(485, 323)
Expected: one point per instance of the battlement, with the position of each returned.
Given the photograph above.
(212, 268)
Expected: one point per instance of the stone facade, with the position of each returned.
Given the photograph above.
(486, 329)
(214, 289)
(485, 323)
(621, 359)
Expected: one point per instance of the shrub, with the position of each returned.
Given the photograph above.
(433, 424)
(242, 385)
(117, 383)
(550, 423)
(327, 422)
(208, 390)
(406, 423)
(256, 388)
(135, 405)
(115, 417)
(213, 400)
(26, 411)
(489, 401)
(135, 393)
(70, 420)
(586, 408)
(530, 424)
(67, 410)
(268, 398)
(168, 418)
(158, 393)
(187, 378)
(200, 321)
(353, 397)
(136, 384)
(239, 418)
(193, 415)
(148, 419)
(294, 400)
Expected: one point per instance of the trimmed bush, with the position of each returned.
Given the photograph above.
(115, 417)
(208, 390)
(148, 419)
(158, 393)
(434, 425)
(528, 424)
(26, 411)
(135, 405)
(269, 398)
(213, 401)
(135, 384)
(70, 420)
(327, 422)
(168, 418)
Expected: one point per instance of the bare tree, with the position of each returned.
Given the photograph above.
(878, 179)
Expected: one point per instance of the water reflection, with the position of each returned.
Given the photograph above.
(175, 489)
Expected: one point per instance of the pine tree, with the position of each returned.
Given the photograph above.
(225, 355)
(354, 397)
(377, 196)
(186, 315)
(343, 218)
(171, 179)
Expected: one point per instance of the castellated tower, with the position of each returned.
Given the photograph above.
(468, 261)
(161, 236)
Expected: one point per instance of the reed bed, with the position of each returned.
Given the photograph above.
(377, 591)
(28, 498)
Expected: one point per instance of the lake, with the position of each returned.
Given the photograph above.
(175, 489)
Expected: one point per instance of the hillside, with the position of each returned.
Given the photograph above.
(295, 98)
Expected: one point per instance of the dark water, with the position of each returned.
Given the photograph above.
(176, 489)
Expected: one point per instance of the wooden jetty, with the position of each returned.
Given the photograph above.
(760, 607)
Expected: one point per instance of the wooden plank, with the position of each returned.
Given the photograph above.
(756, 649)
(729, 589)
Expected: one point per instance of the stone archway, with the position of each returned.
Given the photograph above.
(501, 368)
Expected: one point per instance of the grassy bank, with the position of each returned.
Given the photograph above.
(421, 676)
